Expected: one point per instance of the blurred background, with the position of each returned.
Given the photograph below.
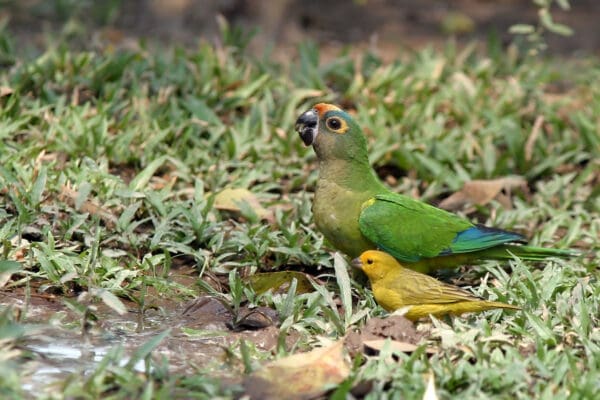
(385, 26)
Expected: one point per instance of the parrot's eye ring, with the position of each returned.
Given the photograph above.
(369, 261)
(336, 125)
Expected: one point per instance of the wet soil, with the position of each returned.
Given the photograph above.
(201, 332)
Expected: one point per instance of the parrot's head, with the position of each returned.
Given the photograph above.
(375, 264)
(332, 132)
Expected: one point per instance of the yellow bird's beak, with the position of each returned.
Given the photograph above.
(356, 263)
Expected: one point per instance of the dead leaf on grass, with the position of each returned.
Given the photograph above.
(300, 376)
(7, 269)
(234, 200)
(6, 91)
(280, 282)
(480, 192)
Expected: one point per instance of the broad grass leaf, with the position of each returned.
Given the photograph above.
(110, 300)
(343, 279)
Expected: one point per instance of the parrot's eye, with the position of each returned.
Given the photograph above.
(369, 261)
(336, 124)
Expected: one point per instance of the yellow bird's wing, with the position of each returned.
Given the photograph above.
(417, 288)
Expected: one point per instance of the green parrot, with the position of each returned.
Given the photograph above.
(356, 212)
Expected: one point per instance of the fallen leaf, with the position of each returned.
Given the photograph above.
(234, 200)
(5, 91)
(7, 268)
(300, 376)
(280, 282)
(481, 192)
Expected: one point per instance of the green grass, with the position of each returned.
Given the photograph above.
(111, 160)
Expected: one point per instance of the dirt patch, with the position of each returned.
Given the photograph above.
(202, 335)
(395, 327)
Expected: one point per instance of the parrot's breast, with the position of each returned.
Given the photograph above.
(336, 211)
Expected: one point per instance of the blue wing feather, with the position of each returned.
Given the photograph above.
(480, 237)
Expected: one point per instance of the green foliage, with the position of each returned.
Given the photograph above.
(112, 161)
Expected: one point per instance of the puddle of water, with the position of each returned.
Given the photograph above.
(199, 336)
(68, 353)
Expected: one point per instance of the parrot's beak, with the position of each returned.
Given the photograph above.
(307, 126)
(356, 263)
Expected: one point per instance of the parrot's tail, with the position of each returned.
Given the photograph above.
(504, 252)
(530, 253)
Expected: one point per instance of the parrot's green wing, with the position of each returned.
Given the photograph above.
(411, 230)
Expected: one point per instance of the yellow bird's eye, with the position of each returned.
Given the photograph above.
(336, 125)
(369, 261)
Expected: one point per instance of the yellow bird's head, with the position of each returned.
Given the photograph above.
(376, 264)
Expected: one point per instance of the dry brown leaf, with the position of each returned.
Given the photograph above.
(280, 281)
(230, 200)
(482, 191)
(6, 91)
(7, 269)
(300, 376)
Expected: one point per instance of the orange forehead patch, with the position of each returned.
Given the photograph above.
(322, 108)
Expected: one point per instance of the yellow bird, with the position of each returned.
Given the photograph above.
(395, 287)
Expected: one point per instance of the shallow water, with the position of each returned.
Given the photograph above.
(59, 353)
(199, 334)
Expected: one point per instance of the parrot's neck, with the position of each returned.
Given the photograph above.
(351, 174)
